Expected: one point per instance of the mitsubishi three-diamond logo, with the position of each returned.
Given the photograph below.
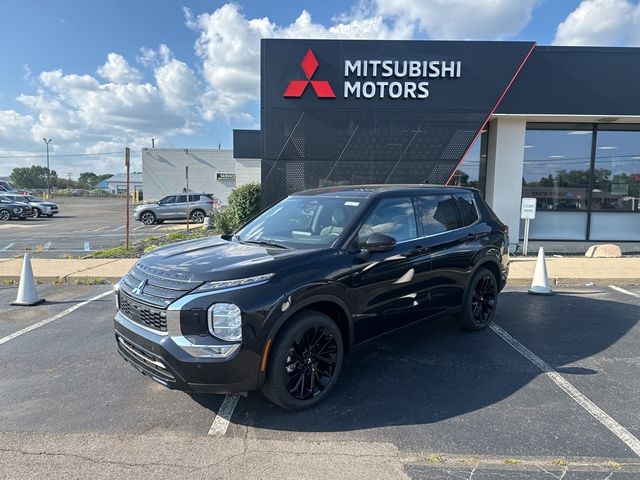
(296, 88)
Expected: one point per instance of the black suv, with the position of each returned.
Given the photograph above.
(277, 305)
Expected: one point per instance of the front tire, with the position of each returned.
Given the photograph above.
(5, 215)
(148, 218)
(305, 361)
(37, 212)
(480, 301)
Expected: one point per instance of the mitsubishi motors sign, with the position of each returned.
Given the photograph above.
(395, 79)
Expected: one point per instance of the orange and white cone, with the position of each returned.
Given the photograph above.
(540, 283)
(27, 292)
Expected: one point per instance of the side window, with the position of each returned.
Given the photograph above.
(394, 217)
(438, 213)
(168, 200)
(194, 198)
(181, 199)
(467, 206)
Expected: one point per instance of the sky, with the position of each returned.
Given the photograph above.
(98, 76)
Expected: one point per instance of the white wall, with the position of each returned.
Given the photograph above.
(248, 170)
(164, 171)
(505, 162)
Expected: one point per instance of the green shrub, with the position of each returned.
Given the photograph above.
(244, 204)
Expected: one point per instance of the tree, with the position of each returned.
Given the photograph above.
(89, 180)
(34, 176)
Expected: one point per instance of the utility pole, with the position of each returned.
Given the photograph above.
(186, 174)
(127, 162)
(47, 142)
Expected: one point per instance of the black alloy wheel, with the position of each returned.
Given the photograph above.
(197, 216)
(481, 299)
(148, 218)
(37, 212)
(305, 361)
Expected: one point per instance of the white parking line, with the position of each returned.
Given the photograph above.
(87, 247)
(7, 247)
(138, 228)
(626, 292)
(47, 246)
(618, 430)
(223, 418)
(119, 228)
(53, 318)
(155, 228)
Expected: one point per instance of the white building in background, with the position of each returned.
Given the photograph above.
(210, 171)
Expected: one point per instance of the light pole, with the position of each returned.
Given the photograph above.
(48, 171)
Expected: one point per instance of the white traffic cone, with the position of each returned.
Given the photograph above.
(27, 293)
(540, 283)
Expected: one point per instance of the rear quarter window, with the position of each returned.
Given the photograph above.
(467, 206)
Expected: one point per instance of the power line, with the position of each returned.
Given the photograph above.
(64, 155)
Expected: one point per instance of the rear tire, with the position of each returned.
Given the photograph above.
(480, 301)
(305, 361)
(197, 216)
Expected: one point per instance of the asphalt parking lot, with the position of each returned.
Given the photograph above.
(428, 402)
(83, 225)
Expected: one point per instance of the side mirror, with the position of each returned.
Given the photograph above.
(379, 242)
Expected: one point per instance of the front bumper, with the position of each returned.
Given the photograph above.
(163, 358)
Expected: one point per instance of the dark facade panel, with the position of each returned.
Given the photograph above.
(246, 144)
(310, 139)
(577, 81)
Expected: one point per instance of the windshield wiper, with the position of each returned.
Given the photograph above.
(266, 243)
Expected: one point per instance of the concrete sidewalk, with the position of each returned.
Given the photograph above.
(562, 271)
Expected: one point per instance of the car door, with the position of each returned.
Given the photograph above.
(452, 243)
(180, 210)
(166, 207)
(390, 288)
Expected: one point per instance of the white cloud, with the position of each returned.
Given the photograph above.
(118, 70)
(178, 85)
(229, 46)
(601, 22)
(461, 19)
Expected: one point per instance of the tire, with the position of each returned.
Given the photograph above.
(197, 216)
(37, 212)
(480, 301)
(5, 215)
(148, 218)
(290, 365)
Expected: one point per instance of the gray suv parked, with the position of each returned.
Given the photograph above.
(40, 207)
(174, 207)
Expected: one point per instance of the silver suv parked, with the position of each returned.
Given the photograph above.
(40, 207)
(174, 207)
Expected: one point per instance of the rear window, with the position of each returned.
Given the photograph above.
(467, 206)
(194, 198)
(439, 213)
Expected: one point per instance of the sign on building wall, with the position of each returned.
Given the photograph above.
(528, 208)
(226, 176)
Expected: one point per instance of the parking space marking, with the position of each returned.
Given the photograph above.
(223, 418)
(138, 228)
(626, 292)
(87, 247)
(618, 430)
(47, 246)
(119, 228)
(7, 247)
(53, 318)
(155, 228)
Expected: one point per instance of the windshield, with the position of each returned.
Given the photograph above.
(31, 198)
(302, 222)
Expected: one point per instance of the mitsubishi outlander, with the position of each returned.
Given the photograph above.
(277, 305)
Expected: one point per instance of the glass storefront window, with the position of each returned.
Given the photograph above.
(556, 168)
(616, 176)
(468, 172)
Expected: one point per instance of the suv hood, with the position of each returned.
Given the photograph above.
(217, 259)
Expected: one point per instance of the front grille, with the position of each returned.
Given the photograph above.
(142, 314)
(155, 287)
(151, 362)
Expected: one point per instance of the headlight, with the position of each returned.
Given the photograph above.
(47, 209)
(240, 282)
(225, 322)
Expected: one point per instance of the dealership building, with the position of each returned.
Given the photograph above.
(513, 119)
